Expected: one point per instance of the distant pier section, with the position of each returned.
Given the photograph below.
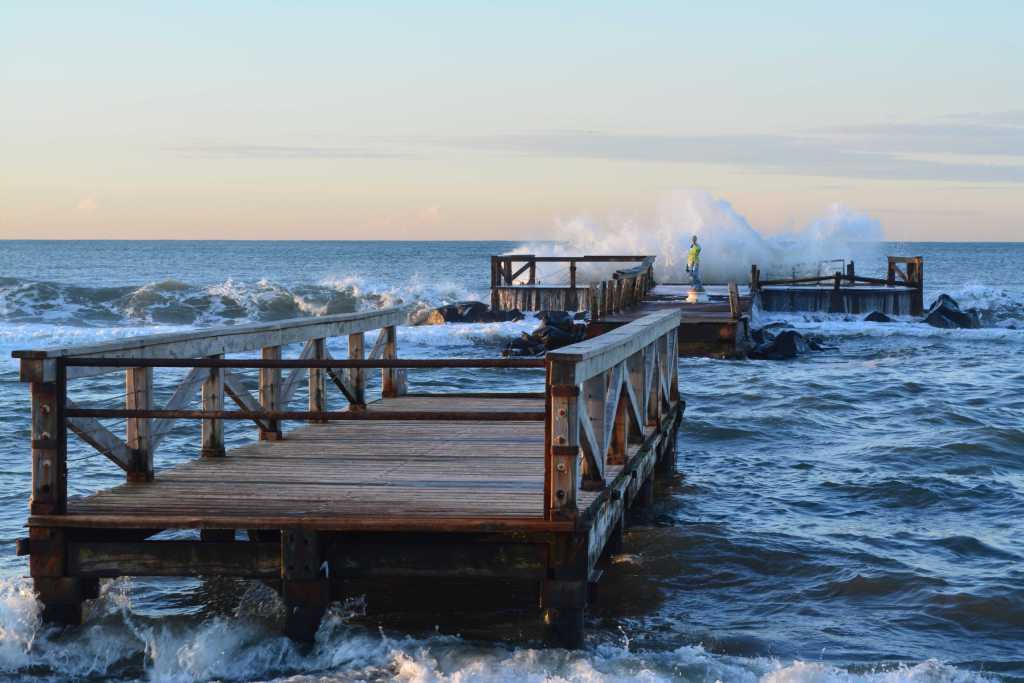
(717, 324)
(901, 292)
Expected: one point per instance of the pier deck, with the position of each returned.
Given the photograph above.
(718, 326)
(386, 475)
(479, 486)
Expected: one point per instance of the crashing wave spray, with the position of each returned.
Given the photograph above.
(729, 243)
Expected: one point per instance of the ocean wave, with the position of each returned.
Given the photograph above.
(120, 643)
(174, 302)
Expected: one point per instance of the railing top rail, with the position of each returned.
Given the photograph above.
(217, 340)
(588, 258)
(596, 355)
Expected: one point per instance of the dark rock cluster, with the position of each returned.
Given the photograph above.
(946, 312)
(467, 312)
(778, 342)
(557, 329)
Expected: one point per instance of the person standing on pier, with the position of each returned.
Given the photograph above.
(693, 265)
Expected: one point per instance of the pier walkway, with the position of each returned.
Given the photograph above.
(473, 486)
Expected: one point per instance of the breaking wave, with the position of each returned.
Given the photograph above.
(120, 642)
(729, 242)
(172, 302)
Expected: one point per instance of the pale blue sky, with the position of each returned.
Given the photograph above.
(452, 120)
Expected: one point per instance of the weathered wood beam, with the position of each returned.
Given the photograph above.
(234, 388)
(220, 341)
(291, 382)
(174, 558)
(102, 439)
(49, 447)
(212, 398)
(139, 430)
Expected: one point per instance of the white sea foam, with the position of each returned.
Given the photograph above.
(117, 642)
(729, 243)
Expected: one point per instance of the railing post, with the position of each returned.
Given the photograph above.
(572, 273)
(212, 398)
(49, 442)
(836, 299)
(270, 393)
(139, 430)
(317, 381)
(533, 270)
(391, 378)
(495, 281)
(915, 272)
(890, 274)
(562, 440)
(849, 272)
(357, 376)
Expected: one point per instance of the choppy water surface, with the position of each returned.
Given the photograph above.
(854, 515)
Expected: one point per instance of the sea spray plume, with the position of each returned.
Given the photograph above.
(729, 243)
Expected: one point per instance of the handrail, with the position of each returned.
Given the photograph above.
(625, 290)
(211, 380)
(503, 275)
(606, 395)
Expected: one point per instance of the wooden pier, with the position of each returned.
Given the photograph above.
(515, 284)
(901, 292)
(717, 326)
(473, 486)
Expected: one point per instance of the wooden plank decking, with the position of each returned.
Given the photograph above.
(391, 475)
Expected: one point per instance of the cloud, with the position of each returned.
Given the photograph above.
(1011, 117)
(87, 205)
(791, 154)
(934, 138)
(288, 152)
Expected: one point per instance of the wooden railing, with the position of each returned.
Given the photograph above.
(211, 379)
(505, 273)
(606, 396)
(912, 277)
(625, 289)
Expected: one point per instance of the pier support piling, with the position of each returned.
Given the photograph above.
(305, 591)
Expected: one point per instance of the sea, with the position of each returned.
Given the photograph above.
(854, 514)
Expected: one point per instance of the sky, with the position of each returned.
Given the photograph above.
(481, 120)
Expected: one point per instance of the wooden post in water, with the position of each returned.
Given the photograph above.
(270, 393)
(212, 398)
(139, 430)
(304, 590)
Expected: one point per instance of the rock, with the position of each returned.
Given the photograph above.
(563, 320)
(467, 312)
(945, 312)
(876, 317)
(788, 344)
(557, 329)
